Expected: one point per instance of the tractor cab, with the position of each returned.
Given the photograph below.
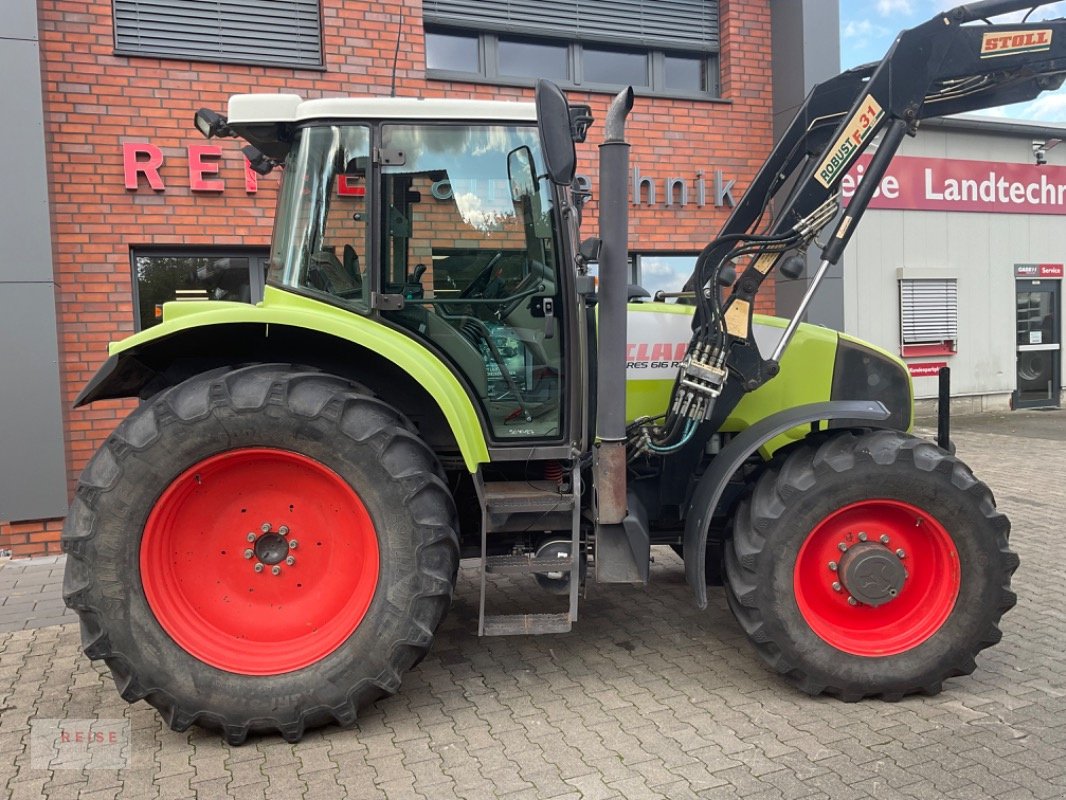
(436, 217)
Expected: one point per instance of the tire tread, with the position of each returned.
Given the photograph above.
(788, 479)
(356, 415)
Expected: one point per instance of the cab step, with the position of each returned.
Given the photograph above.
(525, 564)
(522, 506)
(518, 497)
(520, 624)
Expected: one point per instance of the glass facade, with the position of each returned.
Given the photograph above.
(464, 54)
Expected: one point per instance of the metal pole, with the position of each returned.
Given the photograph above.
(610, 455)
(806, 301)
(943, 409)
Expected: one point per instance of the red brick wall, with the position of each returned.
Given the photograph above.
(95, 101)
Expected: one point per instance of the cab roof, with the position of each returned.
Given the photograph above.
(245, 109)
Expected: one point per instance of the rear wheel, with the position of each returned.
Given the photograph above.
(260, 550)
(870, 565)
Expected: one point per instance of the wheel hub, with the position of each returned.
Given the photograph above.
(231, 602)
(271, 548)
(872, 574)
(875, 546)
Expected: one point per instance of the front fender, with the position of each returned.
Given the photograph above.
(729, 459)
(123, 374)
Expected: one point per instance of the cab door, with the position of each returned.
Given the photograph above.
(478, 268)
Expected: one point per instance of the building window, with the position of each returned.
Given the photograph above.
(684, 73)
(521, 58)
(929, 316)
(456, 56)
(284, 33)
(452, 52)
(667, 48)
(659, 272)
(609, 65)
(162, 276)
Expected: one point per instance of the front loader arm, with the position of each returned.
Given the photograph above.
(955, 62)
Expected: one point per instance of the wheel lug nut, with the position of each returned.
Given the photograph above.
(836, 586)
(284, 530)
(862, 536)
(275, 570)
(833, 566)
(248, 553)
(258, 567)
(842, 547)
(852, 601)
(900, 553)
(265, 527)
(251, 536)
(290, 561)
(292, 544)
(884, 538)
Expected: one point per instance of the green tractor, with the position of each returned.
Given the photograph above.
(270, 540)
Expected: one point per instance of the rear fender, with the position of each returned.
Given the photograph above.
(290, 329)
(709, 490)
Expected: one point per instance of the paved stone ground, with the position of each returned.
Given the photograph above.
(648, 697)
(31, 594)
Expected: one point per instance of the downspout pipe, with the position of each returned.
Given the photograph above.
(609, 469)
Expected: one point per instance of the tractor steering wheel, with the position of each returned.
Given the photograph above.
(477, 287)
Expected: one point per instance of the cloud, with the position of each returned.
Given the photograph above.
(1050, 11)
(888, 8)
(652, 266)
(860, 34)
(1049, 108)
(477, 216)
(862, 27)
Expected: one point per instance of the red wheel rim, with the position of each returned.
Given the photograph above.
(205, 591)
(924, 602)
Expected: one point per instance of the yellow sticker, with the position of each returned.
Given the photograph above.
(859, 128)
(765, 261)
(1010, 43)
(736, 318)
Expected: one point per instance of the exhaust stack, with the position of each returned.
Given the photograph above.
(610, 459)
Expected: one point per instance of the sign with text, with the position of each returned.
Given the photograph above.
(951, 184)
(1038, 271)
(144, 160)
(928, 369)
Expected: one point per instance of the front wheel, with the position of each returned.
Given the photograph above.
(261, 549)
(870, 565)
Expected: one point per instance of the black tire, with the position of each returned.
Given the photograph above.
(809, 484)
(368, 444)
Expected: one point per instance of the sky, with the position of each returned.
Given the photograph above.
(868, 27)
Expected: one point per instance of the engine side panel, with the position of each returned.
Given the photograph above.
(659, 334)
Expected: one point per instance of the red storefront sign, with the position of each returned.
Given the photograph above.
(950, 184)
(204, 160)
(1038, 271)
(928, 369)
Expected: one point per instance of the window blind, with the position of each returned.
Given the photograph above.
(277, 32)
(666, 24)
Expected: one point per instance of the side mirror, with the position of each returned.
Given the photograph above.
(556, 133)
(520, 173)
